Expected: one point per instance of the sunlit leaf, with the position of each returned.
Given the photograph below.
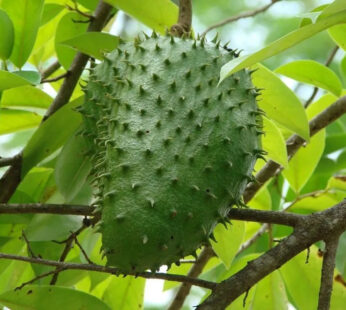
(159, 15)
(301, 277)
(26, 18)
(67, 29)
(10, 80)
(274, 143)
(228, 241)
(94, 44)
(7, 35)
(124, 294)
(312, 72)
(25, 97)
(281, 44)
(304, 162)
(338, 34)
(51, 135)
(14, 120)
(33, 77)
(72, 167)
(50, 297)
(280, 103)
(50, 10)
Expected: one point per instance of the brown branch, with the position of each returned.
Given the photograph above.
(54, 79)
(327, 63)
(50, 70)
(194, 272)
(271, 168)
(18, 208)
(8, 161)
(327, 275)
(110, 270)
(240, 16)
(183, 25)
(12, 177)
(312, 228)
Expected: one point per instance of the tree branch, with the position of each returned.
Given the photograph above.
(8, 161)
(271, 168)
(110, 270)
(194, 272)
(312, 228)
(50, 70)
(12, 177)
(240, 16)
(327, 275)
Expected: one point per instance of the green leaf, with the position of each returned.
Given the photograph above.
(50, 297)
(159, 15)
(26, 18)
(280, 103)
(301, 278)
(14, 120)
(281, 44)
(50, 10)
(72, 167)
(343, 67)
(338, 34)
(94, 44)
(33, 77)
(51, 135)
(25, 97)
(228, 241)
(304, 162)
(125, 294)
(312, 72)
(273, 142)
(7, 35)
(68, 29)
(335, 142)
(47, 227)
(10, 80)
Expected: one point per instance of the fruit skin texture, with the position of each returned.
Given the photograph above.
(171, 150)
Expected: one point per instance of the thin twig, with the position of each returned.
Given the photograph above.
(327, 63)
(327, 275)
(50, 70)
(240, 16)
(110, 270)
(8, 161)
(54, 79)
(41, 276)
(83, 251)
(77, 10)
(194, 272)
(31, 252)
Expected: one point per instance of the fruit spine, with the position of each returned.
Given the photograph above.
(172, 150)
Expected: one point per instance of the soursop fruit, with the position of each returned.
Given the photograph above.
(172, 150)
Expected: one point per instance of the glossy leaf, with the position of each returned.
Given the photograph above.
(312, 72)
(10, 80)
(6, 36)
(32, 76)
(228, 241)
(50, 10)
(25, 97)
(338, 34)
(280, 103)
(274, 143)
(159, 15)
(47, 227)
(124, 294)
(301, 277)
(50, 297)
(26, 18)
(94, 44)
(304, 162)
(14, 120)
(281, 44)
(72, 167)
(51, 135)
(68, 29)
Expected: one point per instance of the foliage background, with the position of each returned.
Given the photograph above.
(313, 172)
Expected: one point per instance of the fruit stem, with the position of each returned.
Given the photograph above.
(183, 25)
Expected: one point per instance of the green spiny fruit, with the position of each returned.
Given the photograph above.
(172, 150)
